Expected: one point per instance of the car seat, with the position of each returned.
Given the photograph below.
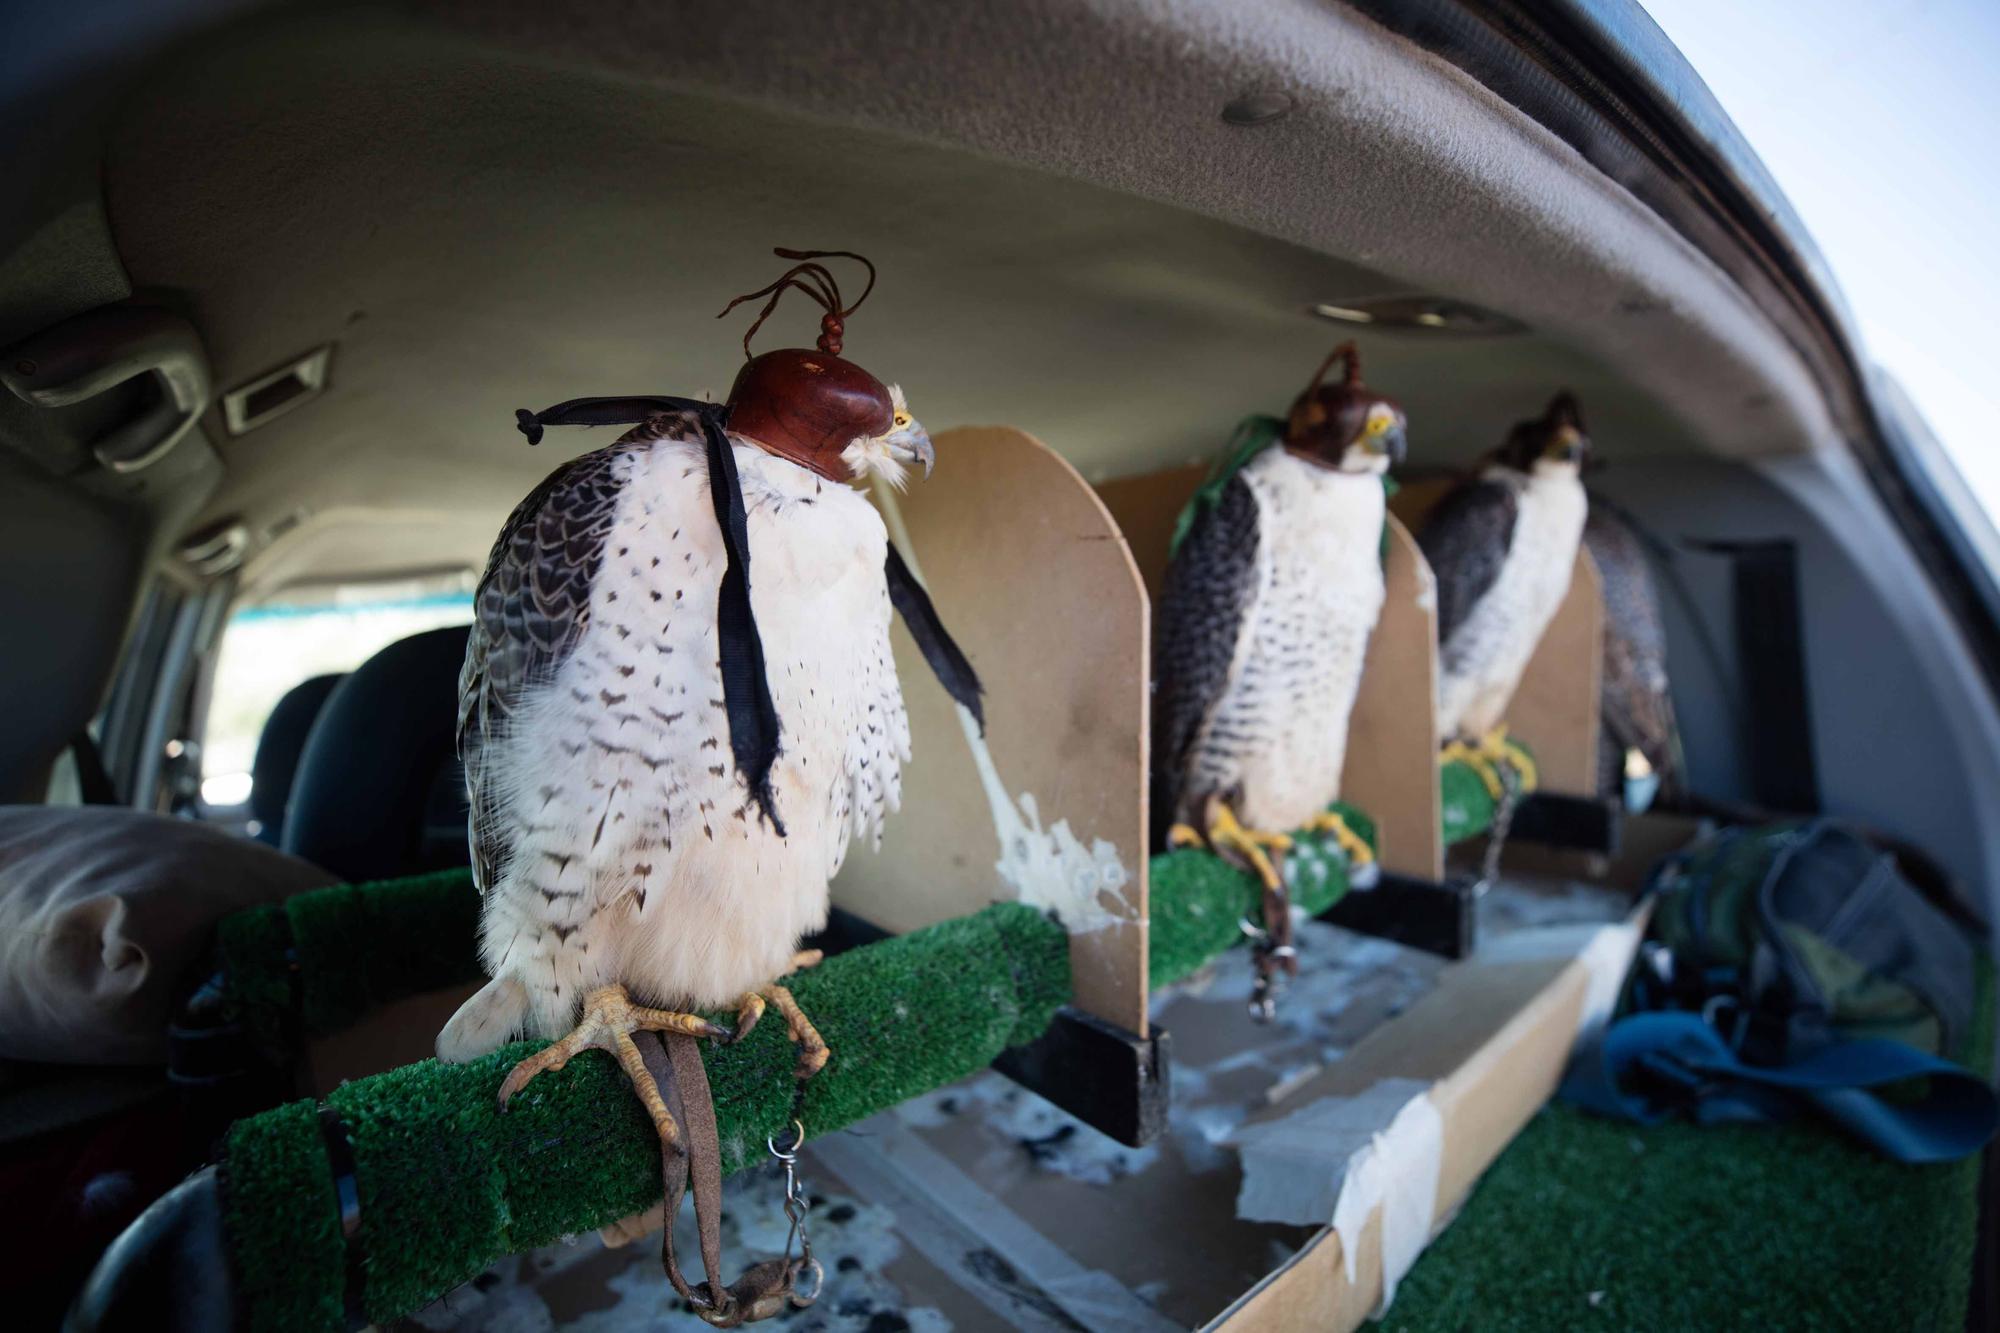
(379, 791)
(279, 746)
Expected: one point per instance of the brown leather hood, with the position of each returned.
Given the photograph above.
(808, 406)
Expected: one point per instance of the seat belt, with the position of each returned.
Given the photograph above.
(93, 780)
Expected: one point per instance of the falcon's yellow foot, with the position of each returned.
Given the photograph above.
(609, 1020)
(1359, 853)
(1478, 762)
(813, 1050)
(1459, 751)
(1261, 853)
(1255, 850)
(1500, 749)
(1489, 755)
(1228, 839)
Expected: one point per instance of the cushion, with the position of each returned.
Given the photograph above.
(105, 914)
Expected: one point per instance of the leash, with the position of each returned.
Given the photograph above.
(1503, 824)
(765, 1289)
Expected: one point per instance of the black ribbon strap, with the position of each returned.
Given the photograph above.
(602, 412)
(946, 662)
(347, 1192)
(746, 690)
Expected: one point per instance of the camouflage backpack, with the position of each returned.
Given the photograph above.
(1794, 935)
(1794, 969)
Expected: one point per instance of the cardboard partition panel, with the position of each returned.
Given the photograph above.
(1391, 767)
(1415, 497)
(1146, 509)
(1031, 576)
(1557, 709)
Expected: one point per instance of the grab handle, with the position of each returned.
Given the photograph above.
(101, 349)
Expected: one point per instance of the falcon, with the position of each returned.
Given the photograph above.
(1637, 739)
(1264, 619)
(669, 745)
(1502, 544)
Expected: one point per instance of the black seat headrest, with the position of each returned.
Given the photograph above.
(362, 803)
(279, 746)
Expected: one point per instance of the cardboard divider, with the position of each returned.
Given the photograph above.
(1146, 508)
(1415, 497)
(1031, 575)
(1391, 769)
(1556, 711)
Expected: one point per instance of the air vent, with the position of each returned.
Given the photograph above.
(249, 406)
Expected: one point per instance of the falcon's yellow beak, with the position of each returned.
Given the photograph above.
(1566, 446)
(1382, 433)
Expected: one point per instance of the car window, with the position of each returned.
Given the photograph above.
(268, 648)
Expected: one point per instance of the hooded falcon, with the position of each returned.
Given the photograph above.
(669, 745)
(1264, 620)
(1502, 544)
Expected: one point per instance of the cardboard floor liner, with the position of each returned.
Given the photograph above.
(1492, 1040)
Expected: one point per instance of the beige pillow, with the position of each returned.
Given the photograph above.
(105, 913)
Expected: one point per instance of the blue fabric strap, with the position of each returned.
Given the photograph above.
(1650, 1065)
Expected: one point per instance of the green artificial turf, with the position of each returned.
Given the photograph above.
(284, 1220)
(320, 961)
(1589, 1223)
(447, 1183)
(1465, 807)
(1198, 902)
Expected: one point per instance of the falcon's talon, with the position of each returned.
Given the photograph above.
(1359, 853)
(1500, 748)
(1271, 942)
(813, 1051)
(1488, 755)
(608, 1021)
(748, 1011)
(1478, 761)
(1259, 849)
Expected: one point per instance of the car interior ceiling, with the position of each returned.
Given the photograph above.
(480, 212)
